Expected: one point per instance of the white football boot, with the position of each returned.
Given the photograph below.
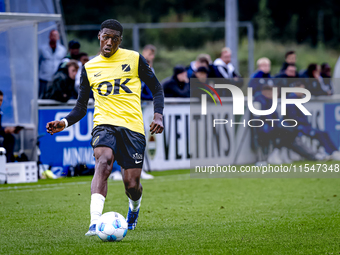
(116, 176)
(284, 156)
(146, 176)
(274, 157)
(336, 155)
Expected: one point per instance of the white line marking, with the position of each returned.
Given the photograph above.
(39, 187)
(44, 185)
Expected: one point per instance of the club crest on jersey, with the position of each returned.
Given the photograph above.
(126, 68)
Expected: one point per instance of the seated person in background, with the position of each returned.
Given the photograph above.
(73, 49)
(149, 53)
(305, 128)
(83, 58)
(201, 60)
(227, 70)
(178, 84)
(201, 74)
(286, 78)
(201, 79)
(280, 137)
(62, 87)
(315, 83)
(7, 140)
(326, 74)
(290, 59)
(224, 65)
(261, 76)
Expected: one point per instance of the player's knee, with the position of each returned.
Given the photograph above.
(104, 161)
(132, 186)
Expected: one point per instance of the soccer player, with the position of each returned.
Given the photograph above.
(115, 78)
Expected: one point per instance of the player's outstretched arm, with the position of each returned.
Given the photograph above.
(156, 126)
(55, 127)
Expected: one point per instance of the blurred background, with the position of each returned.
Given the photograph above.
(312, 28)
(43, 41)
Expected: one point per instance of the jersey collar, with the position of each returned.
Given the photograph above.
(104, 58)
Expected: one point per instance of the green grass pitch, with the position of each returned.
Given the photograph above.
(179, 215)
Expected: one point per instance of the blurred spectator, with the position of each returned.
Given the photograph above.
(201, 74)
(315, 83)
(290, 59)
(201, 60)
(286, 78)
(7, 140)
(269, 132)
(49, 59)
(261, 76)
(73, 50)
(178, 84)
(83, 58)
(149, 53)
(224, 65)
(62, 87)
(305, 128)
(289, 72)
(326, 74)
(326, 70)
(281, 138)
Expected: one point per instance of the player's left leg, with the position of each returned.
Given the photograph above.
(133, 189)
(130, 157)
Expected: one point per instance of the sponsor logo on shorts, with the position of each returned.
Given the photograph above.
(138, 158)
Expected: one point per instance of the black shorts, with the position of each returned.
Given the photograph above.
(127, 146)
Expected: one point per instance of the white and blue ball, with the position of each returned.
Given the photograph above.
(111, 227)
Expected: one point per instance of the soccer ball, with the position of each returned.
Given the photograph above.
(111, 227)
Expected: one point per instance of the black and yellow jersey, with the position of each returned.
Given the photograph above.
(116, 86)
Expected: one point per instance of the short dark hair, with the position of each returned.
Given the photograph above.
(311, 68)
(73, 44)
(82, 54)
(1, 94)
(291, 52)
(202, 69)
(112, 24)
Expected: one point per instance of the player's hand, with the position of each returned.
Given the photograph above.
(55, 126)
(156, 126)
(9, 130)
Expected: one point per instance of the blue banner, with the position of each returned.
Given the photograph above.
(69, 147)
(332, 122)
